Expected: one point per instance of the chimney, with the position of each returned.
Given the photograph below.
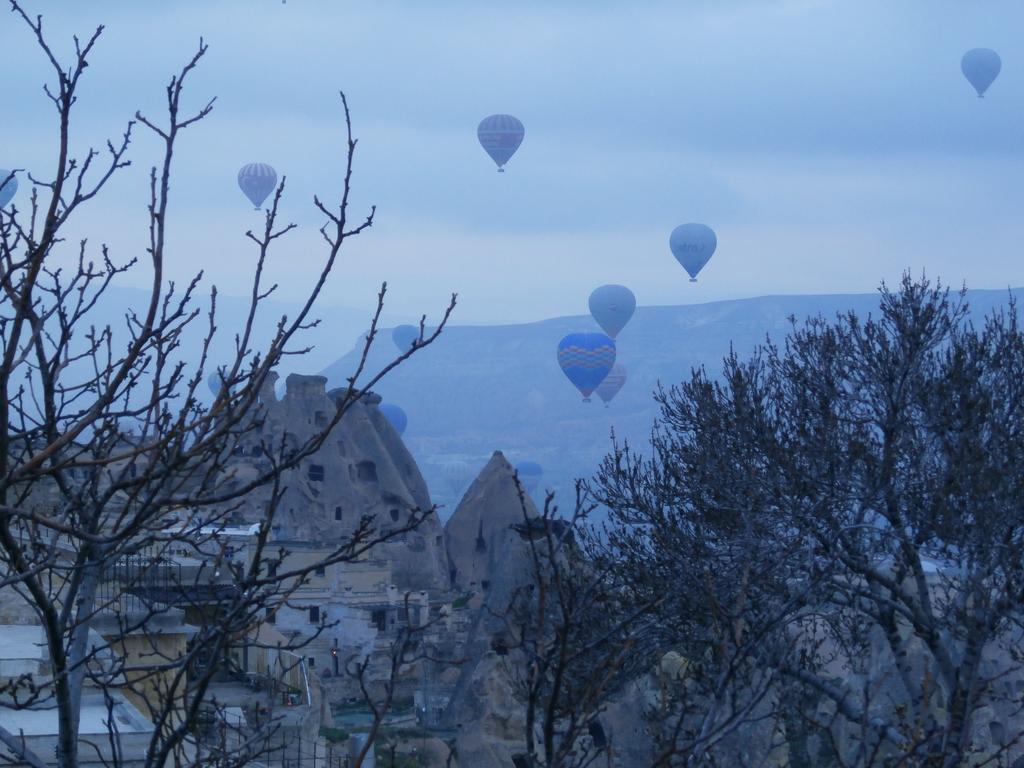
(299, 386)
(267, 393)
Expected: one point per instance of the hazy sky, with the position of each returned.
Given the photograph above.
(830, 143)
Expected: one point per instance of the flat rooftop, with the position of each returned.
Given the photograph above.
(22, 641)
(43, 722)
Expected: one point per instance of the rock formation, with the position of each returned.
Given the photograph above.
(490, 559)
(484, 551)
(362, 469)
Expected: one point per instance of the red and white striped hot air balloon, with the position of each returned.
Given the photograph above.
(612, 383)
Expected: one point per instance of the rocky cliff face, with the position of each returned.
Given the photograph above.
(485, 554)
(491, 559)
(363, 469)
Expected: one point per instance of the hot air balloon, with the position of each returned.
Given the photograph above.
(612, 306)
(215, 381)
(500, 136)
(612, 383)
(8, 187)
(396, 416)
(586, 358)
(693, 245)
(257, 180)
(530, 473)
(404, 336)
(456, 474)
(981, 67)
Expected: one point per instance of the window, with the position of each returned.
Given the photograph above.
(271, 616)
(320, 570)
(311, 661)
(379, 618)
(485, 584)
(366, 471)
(272, 567)
(314, 614)
(337, 513)
(394, 515)
(315, 472)
(403, 614)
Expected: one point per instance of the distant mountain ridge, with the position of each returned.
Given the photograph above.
(484, 388)
(337, 332)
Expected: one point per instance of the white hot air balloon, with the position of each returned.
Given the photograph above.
(456, 474)
(257, 181)
(693, 245)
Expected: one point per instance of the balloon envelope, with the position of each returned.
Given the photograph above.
(530, 473)
(981, 67)
(612, 306)
(612, 383)
(693, 245)
(585, 359)
(8, 189)
(456, 474)
(214, 382)
(500, 136)
(257, 180)
(404, 336)
(396, 416)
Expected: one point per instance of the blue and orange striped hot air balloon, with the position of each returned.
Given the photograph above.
(585, 359)
(500, 136)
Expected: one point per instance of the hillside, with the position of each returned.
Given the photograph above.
(486, 388)
(338, 330)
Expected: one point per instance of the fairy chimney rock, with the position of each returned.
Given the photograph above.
(361, 469)
(484, 552)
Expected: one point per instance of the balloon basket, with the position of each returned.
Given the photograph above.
(586, 399)
(693, 279)
(501, 170)
(256, 208)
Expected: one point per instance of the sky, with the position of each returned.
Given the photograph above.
(831, 144)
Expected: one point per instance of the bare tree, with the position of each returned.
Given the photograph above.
(695, 534)
(576, 637)
(839, 519)
(84, 501)
(406, 654)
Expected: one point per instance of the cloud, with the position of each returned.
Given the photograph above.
(829, 143)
